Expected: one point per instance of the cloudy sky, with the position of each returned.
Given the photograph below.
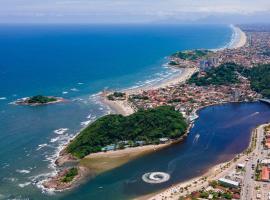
(128, 11)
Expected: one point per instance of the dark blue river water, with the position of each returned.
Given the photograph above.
(219, 134)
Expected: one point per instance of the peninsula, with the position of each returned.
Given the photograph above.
(162, 114)
(149, 128)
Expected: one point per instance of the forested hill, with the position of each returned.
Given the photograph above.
(146, 126)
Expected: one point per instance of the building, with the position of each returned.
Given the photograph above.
(240, 166)
(265, 162)
(163, 140)
(109, 147)
(228, 183)
(265, 175)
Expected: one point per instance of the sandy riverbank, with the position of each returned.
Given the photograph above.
(100, 162)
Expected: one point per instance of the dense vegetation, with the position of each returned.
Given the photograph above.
(70, 175)
(41, 99)
(191, 55)
(260, 79)
(225, 74)
(144, 125)
(116, 95)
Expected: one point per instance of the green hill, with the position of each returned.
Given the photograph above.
(145, 125)
(224, 74)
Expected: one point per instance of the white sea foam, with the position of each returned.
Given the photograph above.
(234, 38)
(11, 179)
(5, 165)
(38, 180)
(64, 92)
(61, 131)
(22, 185)
(89, 116)
(23, 171)
(74, 89)
(80, 83)
(3, 98)
(85, 123)
(40, 146)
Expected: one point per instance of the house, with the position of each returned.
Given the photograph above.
(228, 183)
(265, 175)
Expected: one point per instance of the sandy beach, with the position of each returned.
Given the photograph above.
(240, 38)
(124, 108)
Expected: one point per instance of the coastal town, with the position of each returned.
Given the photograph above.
(188, 98)
(245, 177)
(208, 77)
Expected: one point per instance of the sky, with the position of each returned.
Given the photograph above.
(132, 11)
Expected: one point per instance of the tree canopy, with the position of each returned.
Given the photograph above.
(144, 125)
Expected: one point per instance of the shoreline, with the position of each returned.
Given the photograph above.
(124, 108)
(240, 38)
(213, 173)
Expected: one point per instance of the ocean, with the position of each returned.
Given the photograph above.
(77, 62)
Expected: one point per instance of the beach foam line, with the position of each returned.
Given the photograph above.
(22, 185)
(74, 90)
(40, 146)
(23, 171)
(85, 123)
(60, 131)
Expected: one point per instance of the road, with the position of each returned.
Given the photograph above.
(251, 187)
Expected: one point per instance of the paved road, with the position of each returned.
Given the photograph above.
(249, 191)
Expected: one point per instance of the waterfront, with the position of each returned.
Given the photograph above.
(223, 130)
(76, 68)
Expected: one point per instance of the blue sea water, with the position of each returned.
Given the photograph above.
(77, 62)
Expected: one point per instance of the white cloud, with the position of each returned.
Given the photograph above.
(146, 10)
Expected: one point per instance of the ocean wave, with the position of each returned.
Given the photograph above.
(74, 90)
(85, 123)
(22, 185)
(234, 38)
(39, 179)
(80, 83)
(40, 146)
(89, 116)
(11, 179)
(5, 165)
(61, 131)
(23, 171)
(64, 92)
(3, 98)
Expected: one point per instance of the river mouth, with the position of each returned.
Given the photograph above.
(220, 132)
